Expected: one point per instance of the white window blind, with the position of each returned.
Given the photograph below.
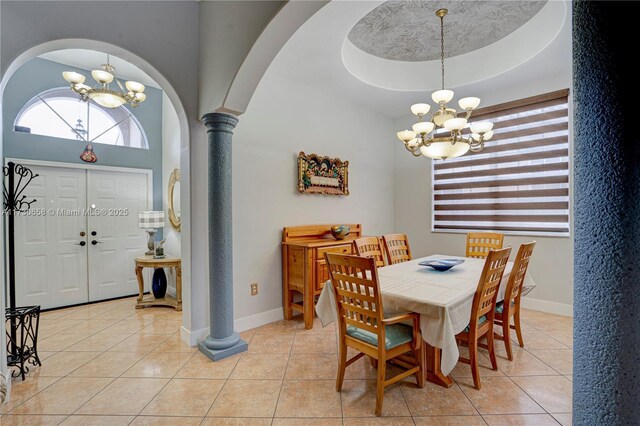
(519, 183)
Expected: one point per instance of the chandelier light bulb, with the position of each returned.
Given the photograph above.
(481, 126)
(420, 109)
(442, 96)
(423, 127)
(140, 97)
(455, 124)
(73, 77)
(469, 103)
(476, 137)
(406, 135)
(413, 143)
(487, 135)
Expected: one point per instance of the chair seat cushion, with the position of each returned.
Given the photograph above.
(481, 321)
(500, 307)
(395, 335)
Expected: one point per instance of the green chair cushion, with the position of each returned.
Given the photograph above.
(500, 307)
(395, 335)
(481, 321)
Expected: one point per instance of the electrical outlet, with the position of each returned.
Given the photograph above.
(254, 289)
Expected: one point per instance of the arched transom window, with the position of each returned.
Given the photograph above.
(60, 113)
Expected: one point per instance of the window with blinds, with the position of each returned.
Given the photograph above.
(519, 182)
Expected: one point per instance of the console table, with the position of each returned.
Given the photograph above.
(167, 262)
(304, 269)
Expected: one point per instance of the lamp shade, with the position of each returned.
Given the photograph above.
(151, 219)
(73, 77)
(423, 127)
(481, 126)
(420, 109)
(107, 98)
(443, 150)
(442, 96)
(469, 103)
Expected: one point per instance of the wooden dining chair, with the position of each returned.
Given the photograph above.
(479, 243)
(370, 247)
(362, 325)
(483, 311)
(397, 248)
(510, 306)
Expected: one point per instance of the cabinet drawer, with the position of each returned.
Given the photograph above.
(342, 249)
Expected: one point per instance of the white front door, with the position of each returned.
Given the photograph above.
(53, 269)
(114, 236)
(51, 266)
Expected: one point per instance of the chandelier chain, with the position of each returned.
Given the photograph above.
(442, 48)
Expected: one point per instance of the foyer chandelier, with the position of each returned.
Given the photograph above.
(102, 94)
(423, 140)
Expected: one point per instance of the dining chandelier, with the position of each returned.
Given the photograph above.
(102, 94)
(428, 139)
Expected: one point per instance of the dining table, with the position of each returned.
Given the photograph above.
(442, 298)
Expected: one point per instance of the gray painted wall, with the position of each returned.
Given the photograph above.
(39, 75)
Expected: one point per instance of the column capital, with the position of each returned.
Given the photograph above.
(220, 122)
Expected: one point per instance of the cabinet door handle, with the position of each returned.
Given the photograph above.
(94, 242)
(81, 244)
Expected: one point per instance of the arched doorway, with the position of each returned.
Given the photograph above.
(183, 136)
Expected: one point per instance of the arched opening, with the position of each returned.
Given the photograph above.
(180, 135)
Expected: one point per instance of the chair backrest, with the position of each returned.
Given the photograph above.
(479, 243)
(397, 248)
(370, 247)
(484, 301)
(357, 292)
(516, 277)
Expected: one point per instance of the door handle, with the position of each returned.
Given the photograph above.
(94, 233)
(94, 242)
(81, 244)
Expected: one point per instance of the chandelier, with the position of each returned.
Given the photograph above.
(439, 144)
(102, 93)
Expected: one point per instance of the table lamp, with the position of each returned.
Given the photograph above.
(150, 221)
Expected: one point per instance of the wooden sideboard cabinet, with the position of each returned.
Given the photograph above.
(304, 269)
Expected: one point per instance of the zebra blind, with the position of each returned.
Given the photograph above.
(519, 182)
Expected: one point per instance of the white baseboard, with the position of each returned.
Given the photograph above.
(253, 321)
(546, 306)
(192, 338)
(241, 324)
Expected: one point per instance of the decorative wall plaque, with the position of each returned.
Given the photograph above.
(322, 175)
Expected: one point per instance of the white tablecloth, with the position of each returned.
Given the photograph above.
(443, 299)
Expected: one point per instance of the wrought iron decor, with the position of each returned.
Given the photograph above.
(22, 343)
(22, 323)
(322, 175)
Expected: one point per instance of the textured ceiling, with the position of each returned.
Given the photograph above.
(404, 30)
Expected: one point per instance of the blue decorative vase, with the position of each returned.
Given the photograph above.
(159, 283)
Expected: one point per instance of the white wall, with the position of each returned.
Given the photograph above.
(170, 161)
(283, 118)
(552, 264)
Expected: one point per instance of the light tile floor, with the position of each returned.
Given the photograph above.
(109, 364)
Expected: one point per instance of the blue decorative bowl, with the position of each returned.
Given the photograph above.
(441, 264)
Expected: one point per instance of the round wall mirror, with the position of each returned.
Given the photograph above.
(174, 199)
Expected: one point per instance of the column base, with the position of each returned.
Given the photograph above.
(217, 349)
